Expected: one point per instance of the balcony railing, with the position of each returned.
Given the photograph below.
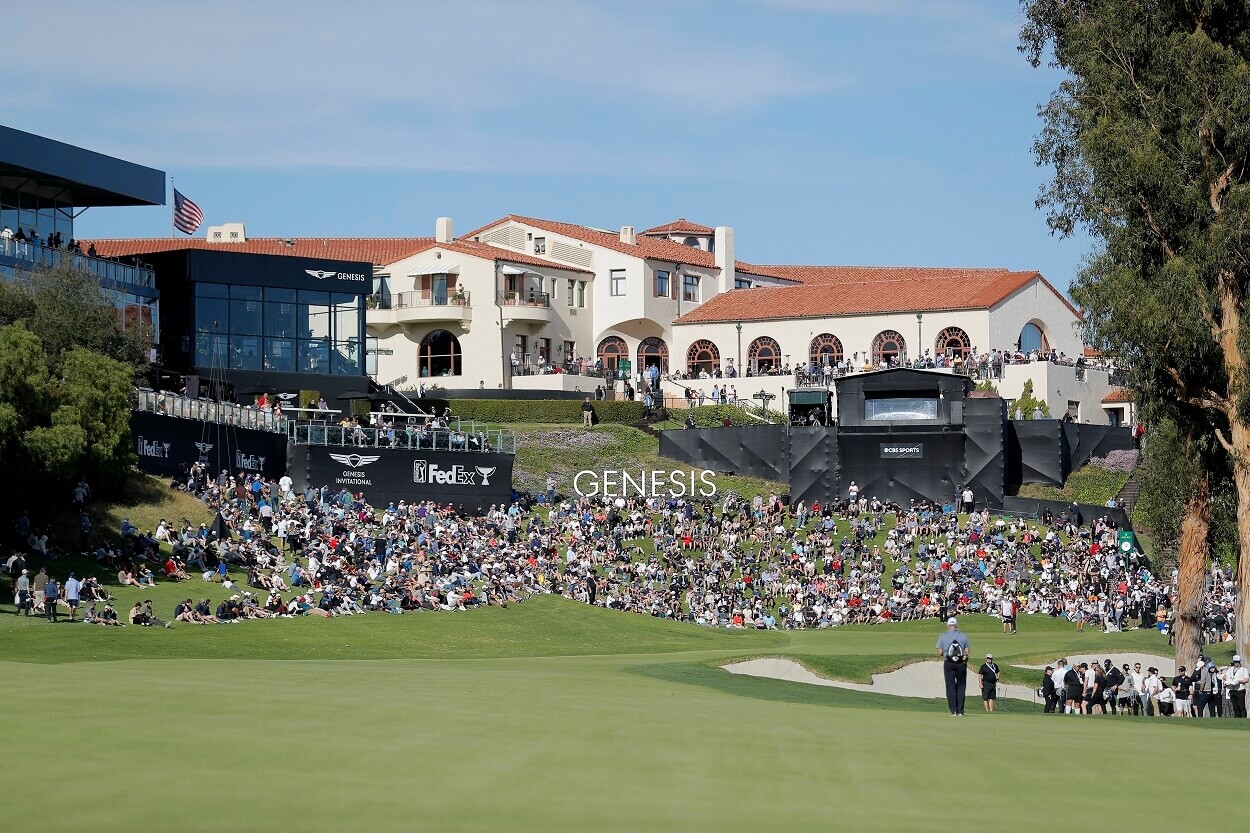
(421, 298)
(120, 275)
(531, 298)
(463, 435)
(207, 410)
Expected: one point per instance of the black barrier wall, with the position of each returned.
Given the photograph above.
(902, 464)
(985, 452)
(748, 450)
(389, 475)
(1089, 512)
(168, 446)
(813, 466)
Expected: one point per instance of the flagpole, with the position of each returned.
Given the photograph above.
(173, 206)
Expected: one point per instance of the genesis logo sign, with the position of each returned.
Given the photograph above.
(424, 471)
(321, 275)
(353, 476)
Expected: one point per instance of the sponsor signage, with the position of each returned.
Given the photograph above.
(902, 451)
(168, 445)
(386, 475)
(325, 274)
(645, 483)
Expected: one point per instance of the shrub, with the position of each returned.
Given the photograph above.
(543, 410)
(1126, 460)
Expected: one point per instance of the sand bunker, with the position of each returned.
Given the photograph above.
(920, 679)
(924, 679)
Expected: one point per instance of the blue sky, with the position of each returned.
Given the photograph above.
(894, 132)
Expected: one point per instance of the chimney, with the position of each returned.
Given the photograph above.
(725, 257)
(627, 235)
(443, 231)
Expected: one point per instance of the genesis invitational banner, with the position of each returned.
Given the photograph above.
(168, 445)
(389, 475)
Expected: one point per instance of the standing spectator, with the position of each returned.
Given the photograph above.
(1238, 679)
(952, 646)
(73, 591)
(1049, 695)
(40, 582)
(51, 596)
(989, 682)
(1182, 685)
(84, 531)
(551, 488)
(588, 413)
(22, 594)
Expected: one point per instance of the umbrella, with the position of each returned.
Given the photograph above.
(354, 394)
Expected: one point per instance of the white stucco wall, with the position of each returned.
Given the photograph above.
(1058, 385)
(1038, 303)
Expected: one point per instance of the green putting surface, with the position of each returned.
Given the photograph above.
(554, 716)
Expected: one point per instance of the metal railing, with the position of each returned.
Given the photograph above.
(525, 298)
(460, 436)
(36, 254)
(206, 410)
(422, 298)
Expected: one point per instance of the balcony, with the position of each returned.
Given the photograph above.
(419, 307)
(125, 277)
(527, 306)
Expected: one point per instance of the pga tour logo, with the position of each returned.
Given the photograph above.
(424, 471)
(153, 448)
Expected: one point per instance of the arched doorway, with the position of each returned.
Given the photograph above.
(952, 342)
(652, 351)
(763, 355)
(825, 350)
(1032, 337)
(888, 348)
(701, 356)
(611, 350)
(439, 355)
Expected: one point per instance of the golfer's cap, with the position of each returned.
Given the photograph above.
(989, 656)
(951, 622)
(1236, 658)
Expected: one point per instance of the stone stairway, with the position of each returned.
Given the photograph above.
(1127, 498)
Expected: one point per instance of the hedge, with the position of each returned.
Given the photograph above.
(543, 410)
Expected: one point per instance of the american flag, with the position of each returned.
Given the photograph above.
(187, 215)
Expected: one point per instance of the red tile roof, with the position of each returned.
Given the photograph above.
(647, 247)
(681, 226)
(1093, 353)
(380, 251)
(375, 250)
(1119, 395)
(859, 290)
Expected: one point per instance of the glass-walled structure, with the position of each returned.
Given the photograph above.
(44, 185)
(242, 327)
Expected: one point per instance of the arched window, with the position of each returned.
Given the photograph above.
(439, 355)
(702, 355)
(692, 242)
(889, 348)
(952, 341)
(825, 350)
(652, 351)
(612, 349)
(763, 355)
(1032, 338)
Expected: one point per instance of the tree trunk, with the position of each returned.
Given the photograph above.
(1239, 437)
(1238, 445)
(1193, 554)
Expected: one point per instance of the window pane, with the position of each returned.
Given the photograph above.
(283, 295)
(314, 356)
(347, 321)
(245, 352)
(280, 354)
(212, 315)
(211, 290)
(210, 350)
(245, 317)
(280, 320)
(346, 358)
(247, 293)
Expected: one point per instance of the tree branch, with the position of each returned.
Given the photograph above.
(1220, 186)
(1154, 226)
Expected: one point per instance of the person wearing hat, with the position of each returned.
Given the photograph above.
(952, 646)
(989, 682)
(21, 592)
(1238, 679)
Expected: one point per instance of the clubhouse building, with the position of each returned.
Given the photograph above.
(503, 305)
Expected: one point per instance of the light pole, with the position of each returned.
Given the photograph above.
(738, 327)
(919, 335)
